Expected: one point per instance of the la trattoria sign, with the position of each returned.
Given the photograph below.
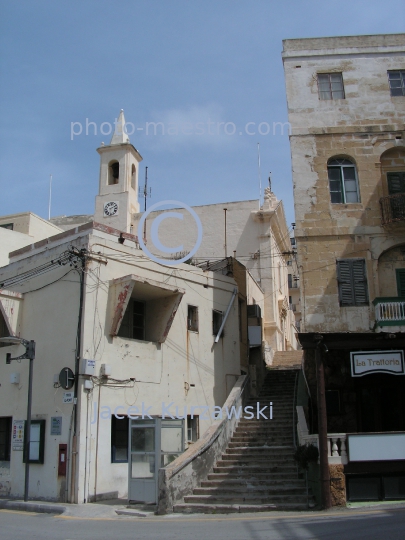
(365, 362)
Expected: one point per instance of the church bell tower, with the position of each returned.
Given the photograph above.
(117, 198)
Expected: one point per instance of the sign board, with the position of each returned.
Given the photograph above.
(56, 425)
(365, 362)
(18, 435)
(68, 397)
(376, 446)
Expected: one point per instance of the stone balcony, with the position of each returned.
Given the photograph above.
(390, 311)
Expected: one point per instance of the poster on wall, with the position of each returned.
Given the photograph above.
(18, 435)
(366, 362)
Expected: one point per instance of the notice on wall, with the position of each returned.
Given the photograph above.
(68, 397)
(18, 435)
(365, 362)
(56, 425)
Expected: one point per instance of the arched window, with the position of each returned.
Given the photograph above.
(343, 182)
(133, 177)
(113, 172)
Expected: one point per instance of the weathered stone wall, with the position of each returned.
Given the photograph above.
(362, 128)
(337, 485)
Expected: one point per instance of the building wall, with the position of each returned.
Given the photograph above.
(367, 128)
(162, 372)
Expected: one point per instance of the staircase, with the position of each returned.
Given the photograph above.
(257, 473)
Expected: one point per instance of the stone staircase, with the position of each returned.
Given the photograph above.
(257, 472)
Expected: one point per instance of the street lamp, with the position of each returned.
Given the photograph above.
(30, 355)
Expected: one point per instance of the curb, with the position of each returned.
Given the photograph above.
(32, 507)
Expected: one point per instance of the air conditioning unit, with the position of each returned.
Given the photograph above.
(254, 311)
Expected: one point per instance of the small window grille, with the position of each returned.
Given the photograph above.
(192, 318)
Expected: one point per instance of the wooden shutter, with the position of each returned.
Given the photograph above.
(401, 282)
(396, 182)
(360, 282)
(345, 282)
(352, 282)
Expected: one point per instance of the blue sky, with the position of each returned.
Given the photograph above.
(169, 61)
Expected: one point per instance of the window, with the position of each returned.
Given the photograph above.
(330, 86)
(37, 441)
(343, 183)
(400, 275)
(113, 173)
(192, 428)
(133, 322)
(396, 81)
(216, 321)
(5, 438)
(119, 439)
(4, 332)
(192, 318)
(133, 177)
(352, 282)
(9, 226)
(332, 398)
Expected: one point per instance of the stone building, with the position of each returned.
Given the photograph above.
(346, 106)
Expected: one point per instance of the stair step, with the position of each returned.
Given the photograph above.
(289, 476)
(253, 499)
(194, 508)
(253, 481)
(249, 490)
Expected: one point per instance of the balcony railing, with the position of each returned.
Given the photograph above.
(389, 311)
(393, 208)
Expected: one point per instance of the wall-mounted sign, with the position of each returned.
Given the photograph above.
(56, 425)
(18, 434)
(365, 362)
(68, 397)
(66, 378)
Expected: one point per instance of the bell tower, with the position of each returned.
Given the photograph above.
(117, 198)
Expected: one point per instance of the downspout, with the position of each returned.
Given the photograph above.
(235, 292)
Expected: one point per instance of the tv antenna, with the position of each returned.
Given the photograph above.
(146, 192)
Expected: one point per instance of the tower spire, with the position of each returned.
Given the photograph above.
(120, 136)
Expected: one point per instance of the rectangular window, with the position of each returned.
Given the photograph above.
(216, 321)
(37, 441)
(330, 86)
(332, 402)
(9, 226)
(192, 428)
(396, 81)
(352, 282)
(400, 274)
(119, 439)
(3, 330)
(5, 438)
(192, 318)
(133, 322)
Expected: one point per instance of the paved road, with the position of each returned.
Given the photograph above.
(346, 525)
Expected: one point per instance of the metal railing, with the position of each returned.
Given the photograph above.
(393, 208)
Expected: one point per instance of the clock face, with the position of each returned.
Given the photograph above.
(110, 209)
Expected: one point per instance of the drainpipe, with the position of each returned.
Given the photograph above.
(322, 423)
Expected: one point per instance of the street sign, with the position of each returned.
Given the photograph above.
(68, 397)
(18, 435)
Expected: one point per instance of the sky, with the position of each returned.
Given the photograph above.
(209, 71)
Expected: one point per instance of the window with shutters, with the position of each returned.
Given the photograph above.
(343, 183)
(400, 273)
(352, 282)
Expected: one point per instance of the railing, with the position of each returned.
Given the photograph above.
(389, 311)
(337, 453)
(393, 208)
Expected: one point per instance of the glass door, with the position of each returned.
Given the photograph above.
(143, 462)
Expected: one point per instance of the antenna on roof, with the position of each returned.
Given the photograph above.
(146, 193)
(50, 197)
(260, 174)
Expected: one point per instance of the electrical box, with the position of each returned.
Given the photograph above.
(62, 460)
(88, 367)
(88, 385)
(105, 370)
(15, 378)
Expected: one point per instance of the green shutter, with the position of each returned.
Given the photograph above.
(401, 282)
(396, 182)
(352, 282)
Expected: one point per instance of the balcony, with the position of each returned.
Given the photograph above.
(389, 311)
(393, 208)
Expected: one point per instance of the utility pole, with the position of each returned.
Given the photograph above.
(322, 423)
